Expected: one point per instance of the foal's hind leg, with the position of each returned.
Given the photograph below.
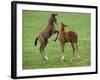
(46, 41)
(41, 51)
(78, 56)
(46, 58)
(73, 47)
(72, 44)
(42, 47)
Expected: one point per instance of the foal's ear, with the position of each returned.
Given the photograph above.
(54, 14)
(66, 25)
(61, 23)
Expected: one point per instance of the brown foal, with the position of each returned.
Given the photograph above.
(45, 34)
(65, 37)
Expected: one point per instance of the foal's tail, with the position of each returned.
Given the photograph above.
(36, 41)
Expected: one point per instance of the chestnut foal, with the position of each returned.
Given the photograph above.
(65, 37)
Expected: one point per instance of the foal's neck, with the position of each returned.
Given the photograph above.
(62, 28)
(51, 21)
(51, 24)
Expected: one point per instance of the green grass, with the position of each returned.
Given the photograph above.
(36, 21)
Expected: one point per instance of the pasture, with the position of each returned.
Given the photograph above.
(35, 21)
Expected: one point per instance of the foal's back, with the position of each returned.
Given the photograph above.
(71, 36)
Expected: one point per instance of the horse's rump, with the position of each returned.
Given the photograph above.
(72, 36)
(69, 36)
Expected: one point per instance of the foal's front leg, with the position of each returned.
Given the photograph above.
(62, 52)
(56, 31)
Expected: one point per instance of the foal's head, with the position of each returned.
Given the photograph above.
(54, 14)
(62, 26)
(53, 19)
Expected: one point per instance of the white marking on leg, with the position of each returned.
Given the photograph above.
(46, 57)
(78, 56)
(72, 59)
(62, 58)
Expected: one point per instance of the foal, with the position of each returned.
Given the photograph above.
(45, 34)
(65, 37)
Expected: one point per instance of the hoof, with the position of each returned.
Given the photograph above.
(52, 40)
(72, 59)
(62, 59)
(46, 58)
(78, 56)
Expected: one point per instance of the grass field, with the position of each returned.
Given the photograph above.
(36, 21)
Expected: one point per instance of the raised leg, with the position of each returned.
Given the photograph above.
(56, 31)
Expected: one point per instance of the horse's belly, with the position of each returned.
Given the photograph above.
(47, 35)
